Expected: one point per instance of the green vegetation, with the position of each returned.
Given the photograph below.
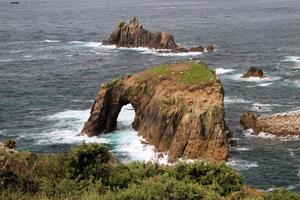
(90, 172)
(197, 74)
(161, 70)
(191, 74)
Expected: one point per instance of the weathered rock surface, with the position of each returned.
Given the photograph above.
(253, 72)
(278, 124)
(133, 34)
(179, 109)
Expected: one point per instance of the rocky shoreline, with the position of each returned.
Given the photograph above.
(281, 125)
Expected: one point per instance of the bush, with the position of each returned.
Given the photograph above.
(159, 187)
(218, 177)
(281, 194)
(89, 161)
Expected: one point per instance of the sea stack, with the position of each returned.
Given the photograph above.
(254, 72)
(179, 109)
(282, 125)
(133, 34)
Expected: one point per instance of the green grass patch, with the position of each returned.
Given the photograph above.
(161, 70)
(193, 74)
(197, 74)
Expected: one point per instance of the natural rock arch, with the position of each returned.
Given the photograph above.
(176, 110)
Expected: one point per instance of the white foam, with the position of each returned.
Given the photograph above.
(232, 100)
(66, 129)
(51, 41)
(242, 149)
(249, 134)
(240, 164)
(223, 71)
(265, 84)
(298, 174)
(263, 107)
(295, 59)
(291, 152)
(6, 60)
(143, 50)
(166, 7)
(237, 77)
(129, 143)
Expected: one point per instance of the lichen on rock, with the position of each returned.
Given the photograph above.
(179, 108)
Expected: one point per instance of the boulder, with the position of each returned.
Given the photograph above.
(277, 124)
(173, 110)
(253, 72)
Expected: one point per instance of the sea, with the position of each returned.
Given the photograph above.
(52, 63)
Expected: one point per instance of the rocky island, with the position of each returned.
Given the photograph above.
(179, 109)
(134, 34)
(254, 72)
(277, 124)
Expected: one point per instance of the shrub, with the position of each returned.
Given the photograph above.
(159, 187)
(281, 194)
(218, 177)
(89, 161)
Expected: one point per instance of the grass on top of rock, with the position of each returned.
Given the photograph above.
(90, 172)
(187, 73)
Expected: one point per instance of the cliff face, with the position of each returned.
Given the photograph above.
(179, 108)
(276, 124)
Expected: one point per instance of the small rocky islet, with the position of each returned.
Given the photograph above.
(133, 35)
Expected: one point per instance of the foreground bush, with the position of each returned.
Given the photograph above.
(90, 172)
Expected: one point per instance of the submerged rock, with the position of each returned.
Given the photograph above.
(178, 108)
(253, 72)
(210, 48)
(134, 34)
(277, 124)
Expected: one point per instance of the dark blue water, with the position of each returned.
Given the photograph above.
(51, 65)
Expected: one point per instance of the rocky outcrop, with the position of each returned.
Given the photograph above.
(253, 72)
(178, 108)
(277, 124)
(134, 34)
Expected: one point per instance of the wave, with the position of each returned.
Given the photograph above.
(263, 135)
(232, 100)
(51, 41)
(223, 71)
(241, 165)
(291, 152)
(166, 7)
(237, 77)
(265, 84)
(66, 129)
(263, 107)
(6, 60)
(143, 50)
(292, 59)
(240, 148)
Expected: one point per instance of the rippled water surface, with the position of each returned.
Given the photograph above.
(51, 65)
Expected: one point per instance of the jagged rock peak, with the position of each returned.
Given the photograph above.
(178, 108)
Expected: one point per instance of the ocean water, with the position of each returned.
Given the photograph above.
(52, 63)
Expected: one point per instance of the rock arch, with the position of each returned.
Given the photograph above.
(172, 111)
